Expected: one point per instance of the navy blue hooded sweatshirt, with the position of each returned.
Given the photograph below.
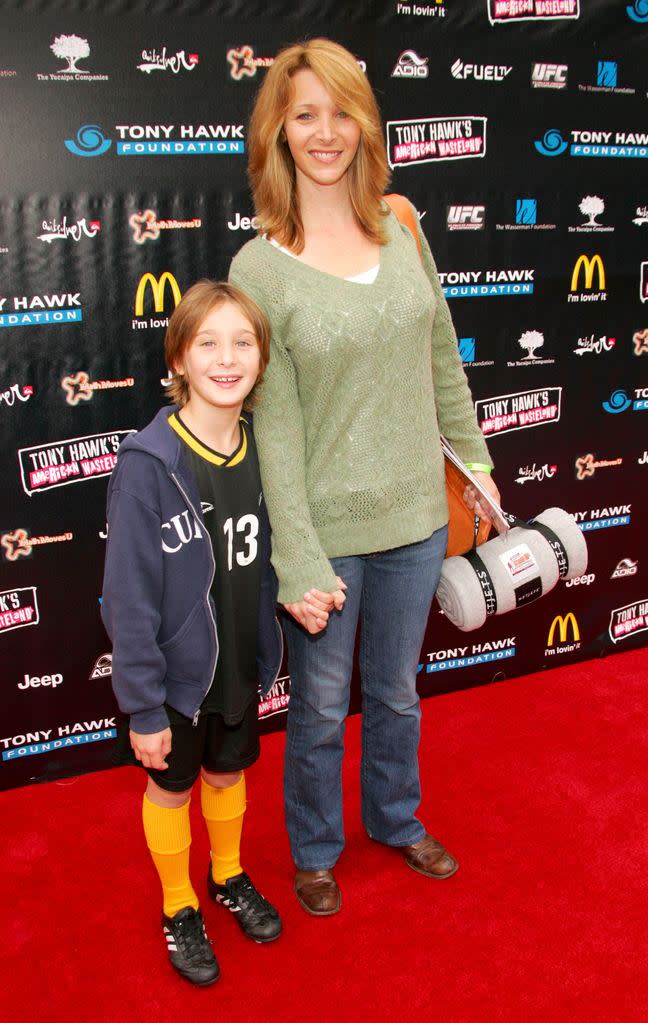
(156, 604)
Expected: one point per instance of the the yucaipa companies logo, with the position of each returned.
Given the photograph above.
(531, 341)
(502, 12)
(583, 272)
(487, 283)
(16, 393)
(60, 230)
(586, 465)
(19, 544)
(430, 139)
(39, 310)
(594, 143)
(79, 387)
(71, 49)
(628, 620)
(243, 63)
(147, 225)
(73, 460)
(560, 628)
(160, 60)
(160, 140)
(520, 411)
(18, 608)
(592, 207)
(158, 290)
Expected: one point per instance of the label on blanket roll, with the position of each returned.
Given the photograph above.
(519, 561)
(528, 591)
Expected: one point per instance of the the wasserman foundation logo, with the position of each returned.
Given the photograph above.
(45, 466)
(72, 49)
(243, 63)
(520, 411)
(607, 80)
(469, 656)
(160, 60)
(39, 310)
(526, 218)
(431, 139)
(557, 641)
(18, 608)
(79, 387)
(629, 620)
(160, 140)
(19, 544)
(583, 273)
(159, 288)
(60, 230)
(503, 12)
(487, 283)
(594, 143)
(147, 225)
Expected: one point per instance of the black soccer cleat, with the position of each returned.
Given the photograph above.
(189, 948)
(256, 917)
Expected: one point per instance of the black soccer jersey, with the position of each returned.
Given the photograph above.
(230, 492)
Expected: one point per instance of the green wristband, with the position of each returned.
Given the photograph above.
(479, 467)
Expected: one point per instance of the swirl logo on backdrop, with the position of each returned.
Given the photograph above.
(638, 11)
(72, 49)
(158, 60)
(431, 139)
(503, 12)
(595, 143)
(619, 401)
(161, 140)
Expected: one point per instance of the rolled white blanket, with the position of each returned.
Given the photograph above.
(520, 566)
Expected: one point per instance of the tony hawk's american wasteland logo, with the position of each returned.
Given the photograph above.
(73, 460)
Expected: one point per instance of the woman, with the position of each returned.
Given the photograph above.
(364, 373)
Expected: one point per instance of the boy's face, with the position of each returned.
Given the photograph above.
(222, 362)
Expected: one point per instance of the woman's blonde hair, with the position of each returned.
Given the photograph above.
(196, 303)
(271, 168)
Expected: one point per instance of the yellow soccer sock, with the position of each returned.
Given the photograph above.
(168, 837)
(223, 810)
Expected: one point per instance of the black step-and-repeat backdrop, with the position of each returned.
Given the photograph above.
(519, 130)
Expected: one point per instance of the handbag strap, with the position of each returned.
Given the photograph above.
(404, 212)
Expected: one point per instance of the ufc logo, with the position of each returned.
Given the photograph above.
(466, 216)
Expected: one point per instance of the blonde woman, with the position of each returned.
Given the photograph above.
(364, 373)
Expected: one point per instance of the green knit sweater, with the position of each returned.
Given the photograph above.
(361, 379)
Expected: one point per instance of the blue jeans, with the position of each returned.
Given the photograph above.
(391, 592)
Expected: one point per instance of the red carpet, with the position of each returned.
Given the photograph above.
(537, 784)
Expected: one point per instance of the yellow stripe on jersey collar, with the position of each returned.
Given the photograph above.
(205, 452)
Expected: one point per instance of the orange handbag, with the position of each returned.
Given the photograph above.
(465, 529)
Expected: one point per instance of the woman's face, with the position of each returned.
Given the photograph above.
(321, 136)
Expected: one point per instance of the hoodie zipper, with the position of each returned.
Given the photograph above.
(213, 573)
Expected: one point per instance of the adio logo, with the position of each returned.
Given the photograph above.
(559, 630)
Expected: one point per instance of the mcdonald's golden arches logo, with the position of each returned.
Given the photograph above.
(158, 287)
(589, 265)
(562, 622)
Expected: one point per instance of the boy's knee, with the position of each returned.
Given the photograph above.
(221, 781)
(161, 797)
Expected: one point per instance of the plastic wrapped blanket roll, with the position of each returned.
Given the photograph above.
(522, 566)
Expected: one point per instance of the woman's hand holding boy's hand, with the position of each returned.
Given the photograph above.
(313, 611)
(152, 749)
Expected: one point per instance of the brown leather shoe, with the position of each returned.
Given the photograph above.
(317, 892)
(429, 857)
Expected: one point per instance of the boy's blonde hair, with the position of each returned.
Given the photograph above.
(196, 303)
(271, 169)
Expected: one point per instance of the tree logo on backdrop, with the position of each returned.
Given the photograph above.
(72, 49)
(431, 139)
(410, 65)
(243, 63)
(591, 207)
(628, 620)
(501, 12)
(640, 341)
(157, 60)
(586, 465)
(18, 608)
(60, 230)
(562, 624)
(90, 141)
(588, 265)
(638, 11)
(530, 342)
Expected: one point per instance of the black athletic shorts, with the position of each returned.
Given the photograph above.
(212, 744)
